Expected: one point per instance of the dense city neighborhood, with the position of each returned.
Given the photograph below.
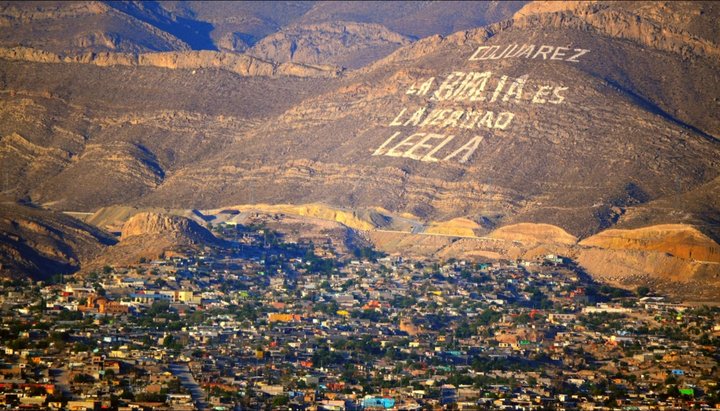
(298, 325)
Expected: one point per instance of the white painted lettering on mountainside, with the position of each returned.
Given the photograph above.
(529, 51)
(456, 113)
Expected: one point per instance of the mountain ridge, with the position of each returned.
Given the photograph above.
(580, 116)
(240, 64)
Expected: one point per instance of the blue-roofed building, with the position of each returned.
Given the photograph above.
(376, 403)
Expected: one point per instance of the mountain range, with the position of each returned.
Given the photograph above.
(452, 118)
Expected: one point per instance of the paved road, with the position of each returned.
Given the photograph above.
(187, 380)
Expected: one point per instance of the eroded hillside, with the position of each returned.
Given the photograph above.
(552, 122)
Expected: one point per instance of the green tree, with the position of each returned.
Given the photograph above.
(280, 400)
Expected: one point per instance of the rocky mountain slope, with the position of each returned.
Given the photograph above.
(239, 25)
(575, 141)
(68, 27)
(72, 28)
(351, 45)
(62, 135)
(41, 243)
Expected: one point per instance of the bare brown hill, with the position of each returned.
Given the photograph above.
(149, 235)
(676, 259)
(675, 239)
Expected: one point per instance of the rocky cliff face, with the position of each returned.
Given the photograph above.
(239, 64)
(343, 44)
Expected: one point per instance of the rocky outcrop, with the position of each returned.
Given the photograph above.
(342, 43)
(240, 64)
(176, 227)
(10, 12)
(461, 227)
(677, 27)
(678, 240)
(150, 235)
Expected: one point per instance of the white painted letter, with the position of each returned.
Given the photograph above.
(469, 148)
(547, 49)
(471, 117)
(420, 145)
(407, 142)
(479, 49)
(504, 52)
(491, 49)
(452, 121)
(436, 117)
(416, 117)
(503, 120)
(557, 55)
(498, 89)
(526, 51)
(447, 88)
(397, 121)
(575, 57)
(487, 120)
(544, 90)
(379, 151)
(476, 90)
(429, 156)
(557, 97)
(425, 87)
(516, 88)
